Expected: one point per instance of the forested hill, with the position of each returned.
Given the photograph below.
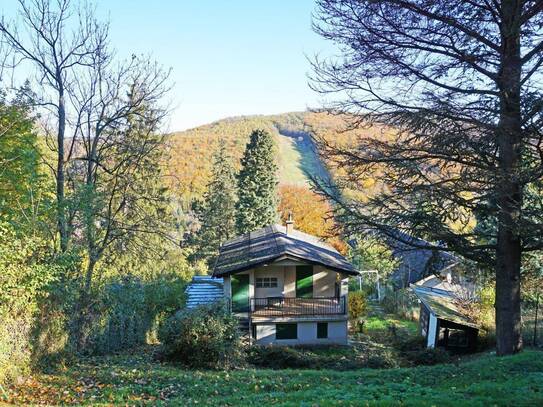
(191, 151)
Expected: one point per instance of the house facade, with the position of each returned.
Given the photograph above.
(287, 287)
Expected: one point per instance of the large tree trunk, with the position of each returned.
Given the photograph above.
(509, 132)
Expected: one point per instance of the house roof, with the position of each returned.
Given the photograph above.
(416, 262)
(272, 243)
(442, 305)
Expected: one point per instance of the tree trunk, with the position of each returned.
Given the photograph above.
(61, 209)
(509, 190)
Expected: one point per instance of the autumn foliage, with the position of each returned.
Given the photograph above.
(311, 213)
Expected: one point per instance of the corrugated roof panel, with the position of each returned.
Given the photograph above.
(204, 290)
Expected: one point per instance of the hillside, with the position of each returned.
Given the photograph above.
(191, 151)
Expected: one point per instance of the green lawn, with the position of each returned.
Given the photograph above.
(379, 324)
(129, 380)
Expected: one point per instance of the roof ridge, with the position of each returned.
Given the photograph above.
(267, 244)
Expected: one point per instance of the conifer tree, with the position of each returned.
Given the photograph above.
(217, 212)
(257, 184)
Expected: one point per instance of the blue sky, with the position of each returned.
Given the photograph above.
(228, 58)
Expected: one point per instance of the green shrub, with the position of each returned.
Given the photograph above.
(305, 357)
(383, 360)
(28, 272)
(126, 312)
(402, 303)
(486, 340)
(414, 350)
(428, 356)
(202, 337)
(278, 357)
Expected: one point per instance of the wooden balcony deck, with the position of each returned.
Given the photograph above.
(294, 307)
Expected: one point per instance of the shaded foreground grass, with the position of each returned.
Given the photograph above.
(137, 380)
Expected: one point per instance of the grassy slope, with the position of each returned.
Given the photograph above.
(289, 159)
(120, 380)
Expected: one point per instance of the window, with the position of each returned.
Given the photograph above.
(266, 282)
(322, 330)
(286, 331)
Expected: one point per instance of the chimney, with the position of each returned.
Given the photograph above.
(289, 223)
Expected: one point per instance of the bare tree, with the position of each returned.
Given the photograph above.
(119, 196)
(58, 42)
(121, 153)
(458, 85)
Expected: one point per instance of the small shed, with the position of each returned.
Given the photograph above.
(443, 323)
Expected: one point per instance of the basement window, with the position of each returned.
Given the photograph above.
(266, 282)
(322, 330)
(286, 331)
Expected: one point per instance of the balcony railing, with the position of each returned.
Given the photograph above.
(286, 307)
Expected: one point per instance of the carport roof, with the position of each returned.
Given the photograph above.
(443, 306)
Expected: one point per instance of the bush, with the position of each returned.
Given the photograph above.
(402, 303)
(27, 272)
(202, 337)
(383, 360)
(410, 343)
(486, 340)
(304, 357)
(357, 308)
(415, 351)
(278, 357)
(126, 312)
(429, 356)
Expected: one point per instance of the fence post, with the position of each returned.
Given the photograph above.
(535, 320)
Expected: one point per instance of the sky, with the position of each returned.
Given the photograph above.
(228, 58)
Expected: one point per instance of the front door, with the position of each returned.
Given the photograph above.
(304, 281)
(240, 293)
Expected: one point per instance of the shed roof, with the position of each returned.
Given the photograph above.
(204, 290)
(272, 243)
(443, 306)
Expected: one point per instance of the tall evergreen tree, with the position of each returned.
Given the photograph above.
(458, 86)
(257, 184)
(217, 213)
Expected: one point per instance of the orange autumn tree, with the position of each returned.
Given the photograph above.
(311, 213)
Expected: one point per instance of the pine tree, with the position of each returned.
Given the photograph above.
(217, 212)
(257, 184)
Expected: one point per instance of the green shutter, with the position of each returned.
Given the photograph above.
(304, 281)
(322, 330)
(286, 331)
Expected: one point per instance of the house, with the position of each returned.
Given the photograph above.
(442, 321)
(287, 286)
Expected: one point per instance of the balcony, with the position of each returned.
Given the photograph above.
(294, 307)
